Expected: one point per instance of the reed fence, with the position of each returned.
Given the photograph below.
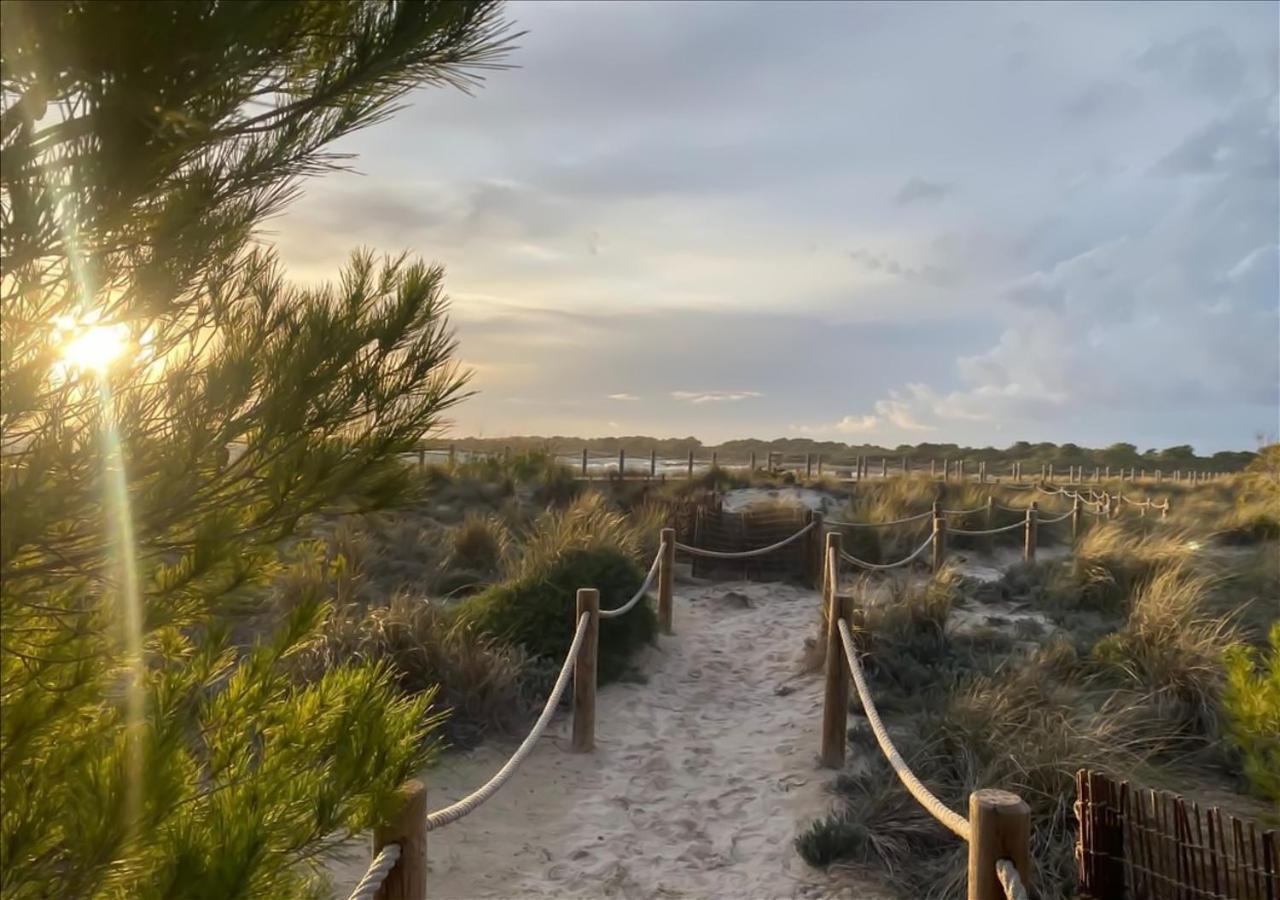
(1140, 844)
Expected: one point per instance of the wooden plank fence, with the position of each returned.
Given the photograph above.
(1140, 844)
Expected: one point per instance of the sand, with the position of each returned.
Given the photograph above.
(700, 781)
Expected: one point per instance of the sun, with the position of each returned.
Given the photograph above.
(94, 347)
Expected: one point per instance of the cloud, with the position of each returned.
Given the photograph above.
(1205, 60)
(622, 397)
(714, 396)
(1102, 98)
(885, 264)
(920, 190)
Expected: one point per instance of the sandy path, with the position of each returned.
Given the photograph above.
(700, 780)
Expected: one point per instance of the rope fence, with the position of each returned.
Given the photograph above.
(997, 827)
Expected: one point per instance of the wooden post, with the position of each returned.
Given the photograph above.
(422, 458)
(1029, 542)
(753, 460)
(622, 463)
(715, 460)
(835, 698)
(666, 579)
(407, 880)
(1159, 476)
(999, 828)
(933, 469)
(960, 469)
(946, 469)
(1097, 475)
(1164, 510)
(808, 466)
(819, 465)
(1106, 504)
(506, 454)
(584, 462)
(1050, 471)
(815, 543)
(1108, 475)
(991, 511)
(906, 467)
(884, 468)
(1076, 509)
(584, 673)
(691, 463)
(939, 537)
(453, 454)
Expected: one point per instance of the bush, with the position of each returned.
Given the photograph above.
(535, 610)
(483, 685)
(480, 544)
(1252, 705)
(1172, 648)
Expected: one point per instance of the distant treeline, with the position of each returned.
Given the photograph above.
(836, 453)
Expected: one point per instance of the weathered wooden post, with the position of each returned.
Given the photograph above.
(808, 466)
(691, 462)
(1076, 510)
(819, 465)
(1050, 472)
(422, 458)
(584, 462)
(1097, 475)
(946, 469)
(960, 469)
(815, 545)
(933, 469)
(1106, 504)
(1029, 542)
(584, 673)
(1159, 476)
(999, 828)
(1164, 510)
(622, 463)
(453, 454)
(506, 454)
(753, 460)
(835, 698)
(407, 879)
(991, 512)
(939, 547)
(666, 579)
(715, 460)
(884, 468)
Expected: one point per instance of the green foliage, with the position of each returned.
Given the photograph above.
(156, 742)
(1252, 702)
(536, 609)
(480, 544)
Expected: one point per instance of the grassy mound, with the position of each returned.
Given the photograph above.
(536, 610)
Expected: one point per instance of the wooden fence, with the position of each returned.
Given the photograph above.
(1140, 844)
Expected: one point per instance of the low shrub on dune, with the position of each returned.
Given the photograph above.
(536, 609)
(1172, 648)
(1252, 706)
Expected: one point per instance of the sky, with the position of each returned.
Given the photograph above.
(975, 223)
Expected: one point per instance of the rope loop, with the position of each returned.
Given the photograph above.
(745, 554)
(915, 518)
(958, 824)
(862, 563)
(469, 803)
(648, 583)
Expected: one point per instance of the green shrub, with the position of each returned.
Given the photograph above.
(1252, 704)
(536, 609)
(480, 544)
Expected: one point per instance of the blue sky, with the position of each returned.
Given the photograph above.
(873, 223)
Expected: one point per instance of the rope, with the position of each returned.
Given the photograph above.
(902, 562)
(467, 804)
(743, 554)
(377, 873)
(988, 530)
(1020, 510)
(648, 582)
(916, 518)
(964, 512)
(935, 807)
(1065, 515)
(1010, 880)
(1135, 502)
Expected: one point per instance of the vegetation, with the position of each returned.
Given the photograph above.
(1252, 703)
(1149, 660)
(172, 408)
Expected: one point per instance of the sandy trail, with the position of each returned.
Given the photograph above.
(701, 777)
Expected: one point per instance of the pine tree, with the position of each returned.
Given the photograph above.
(172, 408)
